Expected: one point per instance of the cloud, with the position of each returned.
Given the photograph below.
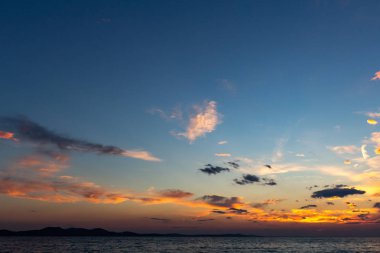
(364, 152)
(251, 179)
(372, 121)
(375, 137)
(223, 154)
(212, 170)
(221, 201)
(376, 76)
(266, 203)
(31, 131)
(222, 142)
(376, 205)
(140, 154)
(338, 192)
(351, 149)
(300, 155)
(203, 122)
(205, 220)
(159, 219)
(234, 164)
(373, 114)
(175, 193)
(308, 206)
(330, 203)
(237, 211)
(36, 177)
(7, 135)
(175, 114)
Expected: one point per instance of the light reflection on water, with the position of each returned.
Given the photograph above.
(188, 244)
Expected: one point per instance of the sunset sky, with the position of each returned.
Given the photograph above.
(255, 117)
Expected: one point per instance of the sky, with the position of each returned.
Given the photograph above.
(254, 117)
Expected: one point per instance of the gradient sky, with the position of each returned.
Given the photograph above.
(110, 109)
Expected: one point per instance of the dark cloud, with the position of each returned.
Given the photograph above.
(268, 166)
(268, 181)
(221, 201)
(247, 179)
(33, 132)
(308, 206)
(204, 220)
(218, 211)
(212, 170)
(251, 179)
(336, 192)
(311, 187)
(238, 211)
(159, 219)
(234, 164)
(175, 193)
(330, 203)
(376, 205)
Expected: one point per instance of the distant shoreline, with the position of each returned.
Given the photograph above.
(58, 231)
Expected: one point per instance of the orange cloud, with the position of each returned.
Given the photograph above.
(376, 76)
(7, 135)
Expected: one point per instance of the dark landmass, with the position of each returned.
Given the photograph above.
(57, 231)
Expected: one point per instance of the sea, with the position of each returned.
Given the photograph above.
(188, 244)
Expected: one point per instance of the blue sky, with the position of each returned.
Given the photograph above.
(289, 77)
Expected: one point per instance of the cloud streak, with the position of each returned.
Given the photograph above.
(33, 132)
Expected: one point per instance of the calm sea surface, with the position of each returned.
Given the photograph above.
(188, 244)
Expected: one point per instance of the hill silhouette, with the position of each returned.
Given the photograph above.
(58, 231)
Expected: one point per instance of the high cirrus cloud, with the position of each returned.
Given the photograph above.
(376, 76)
(338, 192)
(205, 121)
(33, 132)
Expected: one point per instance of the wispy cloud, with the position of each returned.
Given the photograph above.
(33, 132)
(364, 151)
(376, 76)
(350, 149)
(222, 142)
(204, 121)
(37, 177)
(373, 114)
(175, 193)
(223, 154)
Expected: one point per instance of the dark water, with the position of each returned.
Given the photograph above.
(188, 244)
